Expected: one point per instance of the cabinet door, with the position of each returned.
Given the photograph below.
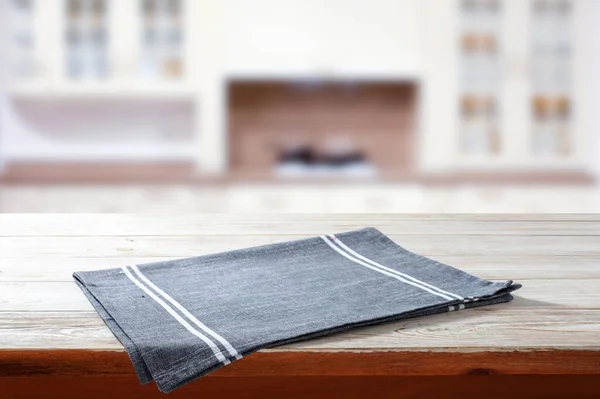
(19, 45)
(162, 36)
(480, 52)
(77, 42)
(549, 51)
(463, 90)
(87, 40)
(151, 41)
(520, 91)
(545, 82)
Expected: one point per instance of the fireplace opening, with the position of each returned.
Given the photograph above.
(312, 128)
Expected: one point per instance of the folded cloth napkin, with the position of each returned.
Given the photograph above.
(182, 319)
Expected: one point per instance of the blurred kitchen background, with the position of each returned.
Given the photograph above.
(300, 106)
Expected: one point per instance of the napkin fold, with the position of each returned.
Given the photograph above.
(182, 319)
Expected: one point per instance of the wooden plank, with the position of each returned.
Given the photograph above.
(355, 387)
(178, 247)
(55, 330)
(81, 363)
(498, 328)
(61, 296)
(227, 224)
(484, 266)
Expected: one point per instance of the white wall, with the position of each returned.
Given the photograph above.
(323, 37)
(594, 95)
(439, 86)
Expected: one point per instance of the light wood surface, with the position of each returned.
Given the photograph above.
(28, 296)
(556, 257)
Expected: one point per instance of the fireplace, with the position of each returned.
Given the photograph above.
(315, 128)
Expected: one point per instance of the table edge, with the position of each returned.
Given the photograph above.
(84, 362)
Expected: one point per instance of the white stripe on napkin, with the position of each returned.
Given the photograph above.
(190, 316)
(360, 262)
(181, 321)
(396, 272)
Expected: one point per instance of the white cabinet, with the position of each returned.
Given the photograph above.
(98, 48)
(480, 47)
(162, 35)
(20, 43)
(375, 199)
(529, 112)
(273, 199)
(325, 198)
(186, 50)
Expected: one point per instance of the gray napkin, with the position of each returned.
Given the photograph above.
(182, 319)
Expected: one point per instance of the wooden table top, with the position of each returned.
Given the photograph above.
(47, 326)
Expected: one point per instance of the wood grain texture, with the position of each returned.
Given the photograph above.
(48, 328)
(34, 296)
(491, 267)
(36, 225)
(500, 328)
(354, 387)
(78, 363)
(187, 246)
